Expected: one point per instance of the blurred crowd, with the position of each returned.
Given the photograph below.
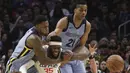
(105, 16)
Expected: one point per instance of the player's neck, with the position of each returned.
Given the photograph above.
(77, 21)
(76, 18)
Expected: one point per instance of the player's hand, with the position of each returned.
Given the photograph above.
(49, 35)
(67, 55)
(92, 49)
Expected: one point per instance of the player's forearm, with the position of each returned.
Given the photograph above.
(93, 65)
(80, 56)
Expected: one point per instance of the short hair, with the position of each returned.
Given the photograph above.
(55, 38)
(80, 2)
(39, 19)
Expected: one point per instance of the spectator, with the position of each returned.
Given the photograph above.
(35, 2)
(26, 21)
(127, 55)
(58, 13)
(58, 6)
(113, 35)
(30, 14)
(98, 66)
(36, 10)
(103, 67)
(9, 53)
(112, 46)
(113, 21)
(123, 16)
(103, 48)
(19, 30)
(45, 11)
(6, 43)
(2, 67)
(7, 23)
(124, 43)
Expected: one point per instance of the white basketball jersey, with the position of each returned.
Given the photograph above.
(54, 68)
(71, 35)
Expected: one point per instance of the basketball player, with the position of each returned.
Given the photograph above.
(74, 30)
(54, 52)
(30, 45)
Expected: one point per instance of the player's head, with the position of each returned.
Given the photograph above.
(80, 9)
(41, 24)
(55, 46)
(115, 64)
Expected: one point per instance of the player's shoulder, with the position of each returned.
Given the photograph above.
(33, 38)
(62, 23)
(64, 18)
(88, 24)
(68, 17)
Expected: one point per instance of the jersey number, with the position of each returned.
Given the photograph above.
(70, 43)
(48, 70)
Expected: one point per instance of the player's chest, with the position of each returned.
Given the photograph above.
(75, 31)
(50, 66)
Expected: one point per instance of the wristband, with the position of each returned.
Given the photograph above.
(91, 57)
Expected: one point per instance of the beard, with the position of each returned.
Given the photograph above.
(50, 54)
(44, 33)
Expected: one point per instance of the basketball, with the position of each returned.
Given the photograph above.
(115, 63)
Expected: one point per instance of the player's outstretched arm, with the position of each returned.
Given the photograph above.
(81, 55)
(84, 53)
(35, 42)
(93, 65)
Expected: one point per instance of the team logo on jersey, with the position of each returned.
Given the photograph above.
(71, 28)
(49, 66)
(72, 34)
